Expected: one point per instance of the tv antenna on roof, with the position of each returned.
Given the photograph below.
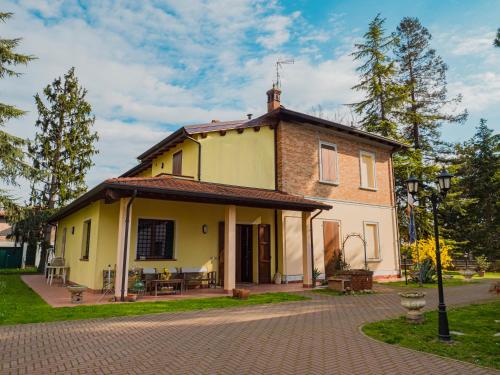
(279, 65)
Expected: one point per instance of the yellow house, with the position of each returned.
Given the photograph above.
(245, 199)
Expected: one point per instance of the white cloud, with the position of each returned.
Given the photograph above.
(149, 67)
(479, 91)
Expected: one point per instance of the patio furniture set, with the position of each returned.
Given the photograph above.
(154, 282)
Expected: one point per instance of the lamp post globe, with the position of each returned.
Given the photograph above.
(412, 184)
(444, 181)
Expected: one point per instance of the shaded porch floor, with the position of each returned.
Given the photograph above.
(56, 294)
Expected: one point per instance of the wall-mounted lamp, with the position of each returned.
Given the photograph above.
(204, 228)
(72, 230)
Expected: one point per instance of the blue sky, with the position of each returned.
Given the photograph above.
(150, 67)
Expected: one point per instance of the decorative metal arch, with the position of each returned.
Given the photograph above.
(357, 235)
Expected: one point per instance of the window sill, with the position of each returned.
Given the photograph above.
(84, 259)
(368, 188)
(374, 260)
(329, 182)
(156, 259)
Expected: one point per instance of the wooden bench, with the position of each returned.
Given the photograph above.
(199, 279)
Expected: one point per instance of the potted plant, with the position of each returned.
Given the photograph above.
(483, 264)
(315, 276)
(413, 302)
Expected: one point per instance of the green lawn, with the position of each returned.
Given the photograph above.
(17, 271)
(487, 275)
(20, 304)
(446, 282)
(477, 322)
(331, 292)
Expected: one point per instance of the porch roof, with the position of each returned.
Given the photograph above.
(168, 187)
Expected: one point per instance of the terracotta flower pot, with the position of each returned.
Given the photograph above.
(413, 302)
(132, 297)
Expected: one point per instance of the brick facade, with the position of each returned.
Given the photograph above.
(298, 165)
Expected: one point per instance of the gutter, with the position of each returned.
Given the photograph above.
(312, 242)
(125, 246)
(199, 155)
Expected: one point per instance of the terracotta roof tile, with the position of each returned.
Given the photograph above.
(206, 189)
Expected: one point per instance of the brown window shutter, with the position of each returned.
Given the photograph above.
(329, 163)
(177, 163)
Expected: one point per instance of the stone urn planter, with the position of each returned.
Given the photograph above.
(468, 274)
(76, 293)
(413, 302)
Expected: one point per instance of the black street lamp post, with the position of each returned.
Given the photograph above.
(444, 184)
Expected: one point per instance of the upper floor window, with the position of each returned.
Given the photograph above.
(372, 240)
(177, 163)
(328, 159)
(367, 168)
(155, 239)
(87, 226)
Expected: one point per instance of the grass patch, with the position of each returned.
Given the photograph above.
(331, 292)
(487, 275)
(20, 304)
(411, 284)
(18, 271)
(477, 322)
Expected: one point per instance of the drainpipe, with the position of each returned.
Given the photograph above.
(199, 155)
(125, 245)
(312, 242)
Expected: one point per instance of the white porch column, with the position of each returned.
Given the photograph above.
(119, 249)
(230, 248)
(306, 249)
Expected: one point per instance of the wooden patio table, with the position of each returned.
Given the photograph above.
(173, 282)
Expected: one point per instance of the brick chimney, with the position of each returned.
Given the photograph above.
(273, 98)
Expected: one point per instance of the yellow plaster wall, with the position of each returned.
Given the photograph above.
(245, 159)
(145, 173)
(189, 160)
(81, 271)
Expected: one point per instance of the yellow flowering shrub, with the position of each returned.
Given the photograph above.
(427, 250)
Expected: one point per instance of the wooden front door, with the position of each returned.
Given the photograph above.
(244, 253)
(264, 253)
(331, 241)
(221, 253)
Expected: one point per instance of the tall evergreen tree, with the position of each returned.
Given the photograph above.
(496, 42)
(475, 221)
(12, 158)
(423, 74)
(377, 80)
(63, 147)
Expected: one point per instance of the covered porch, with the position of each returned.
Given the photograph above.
(56, 294)
(179, 226)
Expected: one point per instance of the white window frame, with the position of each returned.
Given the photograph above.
(174, 255)
(377, 225)
(372, 154)
(332, 145)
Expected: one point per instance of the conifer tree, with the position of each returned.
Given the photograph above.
(63, 147)
(474, 220)
(496, 42)
(423, 74)
(377, 80)
(12, 158)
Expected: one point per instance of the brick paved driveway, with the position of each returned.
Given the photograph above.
(313, 337)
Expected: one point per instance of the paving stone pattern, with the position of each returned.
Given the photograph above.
(320, 336)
